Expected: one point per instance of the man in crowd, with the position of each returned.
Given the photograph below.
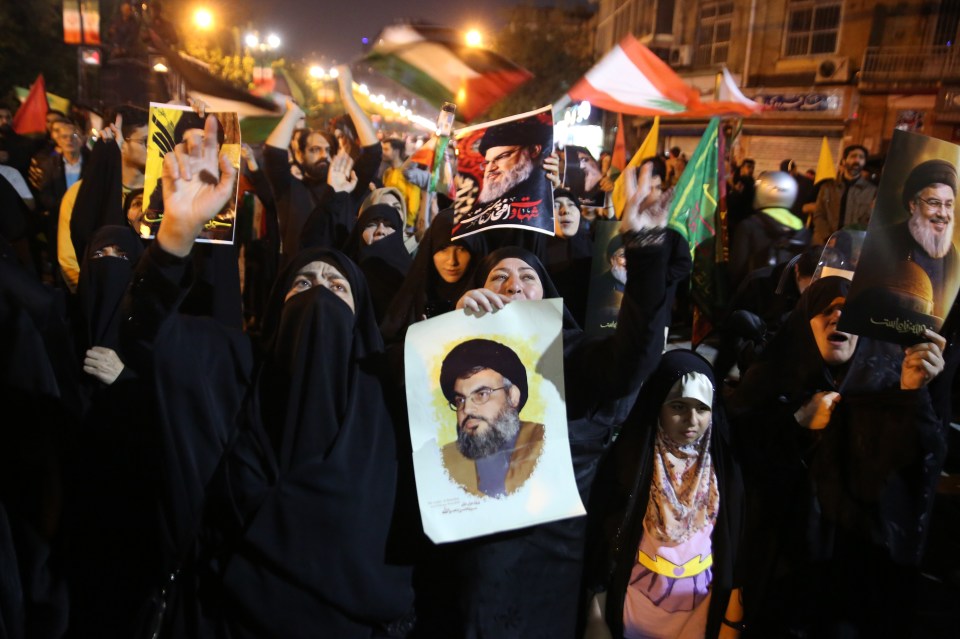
(806, 200)
(394, 156)
(847, 200)
(130, 133)
(495, 452)
(327, 195)
(51, 175)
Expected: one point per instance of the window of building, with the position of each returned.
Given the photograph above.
(713, 38)
(812, 27)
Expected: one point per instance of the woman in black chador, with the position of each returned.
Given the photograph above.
(280, 479)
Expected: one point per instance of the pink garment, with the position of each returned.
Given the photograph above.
(661, 607)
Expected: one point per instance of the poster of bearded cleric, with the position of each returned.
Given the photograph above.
(170, 125)
(500, 178)
(909, 271)
(488, 420)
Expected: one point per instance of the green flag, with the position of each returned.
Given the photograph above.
(695, 199)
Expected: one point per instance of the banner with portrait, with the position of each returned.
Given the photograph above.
(488, 420)
(170, 125)
(500, 178)
(909, 271)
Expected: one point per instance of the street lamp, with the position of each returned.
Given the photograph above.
(203, 18)
(273, 41)
(474, 38)
(251, 40)
(317, 72)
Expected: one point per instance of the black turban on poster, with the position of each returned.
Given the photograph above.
(524, 132)
(926, 173)
(488, 354)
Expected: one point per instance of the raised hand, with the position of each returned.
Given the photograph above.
(196, 186)
(341, 175)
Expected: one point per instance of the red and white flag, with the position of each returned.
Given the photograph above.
(631, 79)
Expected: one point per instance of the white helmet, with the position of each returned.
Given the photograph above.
(774, 189)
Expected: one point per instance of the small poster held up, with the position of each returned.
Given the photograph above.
(501, 182)
(608, 278)
(170, 125)
(488, 421)
(909, 270)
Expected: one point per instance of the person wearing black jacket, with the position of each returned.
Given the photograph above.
(841, 450)
(525, 583)
(280, 478)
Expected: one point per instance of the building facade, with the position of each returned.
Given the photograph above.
(851, 70)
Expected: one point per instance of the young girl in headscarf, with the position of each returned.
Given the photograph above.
(670, 499)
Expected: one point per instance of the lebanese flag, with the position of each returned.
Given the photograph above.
(631, 79)
(435, 63)
(31, 117)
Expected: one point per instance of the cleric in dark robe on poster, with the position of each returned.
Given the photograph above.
(515, 192)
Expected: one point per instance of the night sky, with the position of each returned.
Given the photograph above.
(334, 28)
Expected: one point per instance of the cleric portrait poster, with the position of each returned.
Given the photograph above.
(909, 271)
(488, 422)
(501, 182)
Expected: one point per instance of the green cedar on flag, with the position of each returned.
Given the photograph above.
(436, 64)
(696, 196)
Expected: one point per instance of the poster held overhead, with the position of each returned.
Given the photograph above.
(909, 270)
(501, 182)
(169, 126)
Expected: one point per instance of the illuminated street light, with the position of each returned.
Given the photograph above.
(317, 72)
(474, 38)
(334, 73)
(252, 40)
(203, 18)
(273, 41)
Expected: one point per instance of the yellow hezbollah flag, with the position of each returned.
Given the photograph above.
(647, 150)
(826, 167)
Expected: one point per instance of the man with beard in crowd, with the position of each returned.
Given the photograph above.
(847, 200)
(495, 452)
(926, 237)
(327, 196)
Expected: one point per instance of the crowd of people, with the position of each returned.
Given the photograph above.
(211, 440)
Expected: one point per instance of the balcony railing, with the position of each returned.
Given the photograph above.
(910, 65)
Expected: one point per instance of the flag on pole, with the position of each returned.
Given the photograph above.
(695, 198)
(630, 78)
(696, 215)
(647, 150)
(437, 65)
(619, 158)
(826, 168)
(31, 117)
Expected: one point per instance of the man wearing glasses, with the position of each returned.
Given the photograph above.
(495, 452)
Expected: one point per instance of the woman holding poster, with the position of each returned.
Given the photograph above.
(525, 583)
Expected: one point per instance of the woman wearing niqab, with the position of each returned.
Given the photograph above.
(280, 480)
